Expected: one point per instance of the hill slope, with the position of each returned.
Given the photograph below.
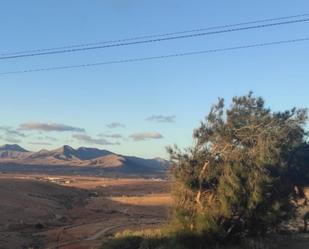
(82, 157)
(12, 151)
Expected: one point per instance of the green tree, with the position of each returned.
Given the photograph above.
(243, 174)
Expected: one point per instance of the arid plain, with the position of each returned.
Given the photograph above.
(71, 211)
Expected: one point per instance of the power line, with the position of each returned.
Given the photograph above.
(156, 35)
(154, 40)
(256, 45)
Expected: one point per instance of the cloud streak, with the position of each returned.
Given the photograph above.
(90, 140)
(9, 131)
(161, 119)
(47, 127)
(115, 125)
(47, 138)
(40, 143)
(115, 135)
(11, 135)
(142, 136)
(10, 139)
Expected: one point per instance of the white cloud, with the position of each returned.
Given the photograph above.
(9, 131)
(50, 127)
(47, 138)
(10, 140)
(162, 119)
(146, 136)
(115, 135)
(115, 125)
(90, 140)
(40, 143)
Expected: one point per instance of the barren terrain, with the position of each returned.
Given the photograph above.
(43, 211)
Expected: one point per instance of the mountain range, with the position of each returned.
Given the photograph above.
(81, 157)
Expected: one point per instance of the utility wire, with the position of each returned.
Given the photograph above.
(256, 45)
(156, 35)
(155, 40)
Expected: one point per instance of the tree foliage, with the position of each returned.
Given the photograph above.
(245, 172)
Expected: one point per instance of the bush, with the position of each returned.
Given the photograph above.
(156, 239)
(129, 242)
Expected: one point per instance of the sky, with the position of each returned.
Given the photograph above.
(140, 108)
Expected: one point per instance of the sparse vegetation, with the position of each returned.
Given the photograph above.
(306, 219)
(164, 239)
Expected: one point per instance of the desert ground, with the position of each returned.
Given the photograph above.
(41, 211)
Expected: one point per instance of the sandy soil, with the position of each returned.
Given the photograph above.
(110, 205)
(28, 205)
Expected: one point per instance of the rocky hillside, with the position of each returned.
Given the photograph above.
(82, 157)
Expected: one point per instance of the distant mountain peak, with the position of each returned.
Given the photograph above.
(83, 156)
(13, 147)
(67, 147)
(86, 148)
(86, 153)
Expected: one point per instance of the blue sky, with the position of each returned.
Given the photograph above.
(45, 108)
